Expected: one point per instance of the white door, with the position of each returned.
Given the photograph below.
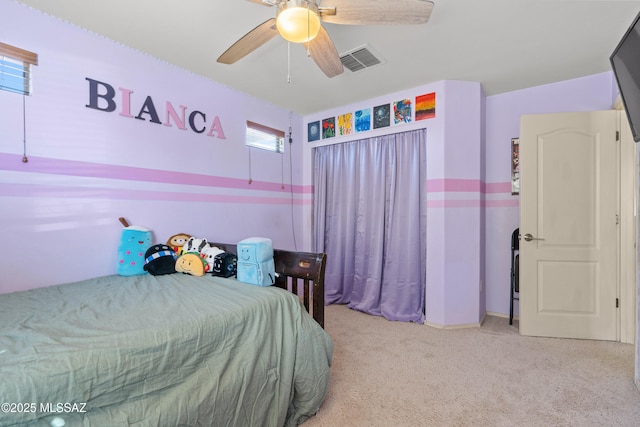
(569, 225)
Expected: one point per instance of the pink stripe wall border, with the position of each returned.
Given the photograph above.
(449, 185)
(13, 162)
(32, 190)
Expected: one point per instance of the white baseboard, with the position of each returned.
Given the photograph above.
(470, 325)
(504, 316)
(459, 326)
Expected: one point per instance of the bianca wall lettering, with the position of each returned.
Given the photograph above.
(102, 96)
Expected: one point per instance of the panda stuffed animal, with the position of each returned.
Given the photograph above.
(195, 246)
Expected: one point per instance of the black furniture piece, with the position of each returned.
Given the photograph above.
(515, 280)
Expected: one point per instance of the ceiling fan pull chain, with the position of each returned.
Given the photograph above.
(25, 159)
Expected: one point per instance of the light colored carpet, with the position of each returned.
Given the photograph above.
(392, 374)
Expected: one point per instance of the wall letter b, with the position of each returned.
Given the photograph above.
(94, 95)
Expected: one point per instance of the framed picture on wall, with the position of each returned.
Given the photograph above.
(381, 116)
(515, 166)
(363, 120)
(402, 111)
(426, 106)
(328, 127)
(313, 131)
(345, 124)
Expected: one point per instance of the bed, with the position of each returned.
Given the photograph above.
(170, 350)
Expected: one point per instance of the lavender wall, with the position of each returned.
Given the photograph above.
(87, 167)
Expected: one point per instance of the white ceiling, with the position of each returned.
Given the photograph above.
(504, 44)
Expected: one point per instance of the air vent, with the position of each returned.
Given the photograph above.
(360, 58)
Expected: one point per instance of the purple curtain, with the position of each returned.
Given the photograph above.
(370, 220)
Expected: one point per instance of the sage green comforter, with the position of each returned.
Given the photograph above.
(174, 350)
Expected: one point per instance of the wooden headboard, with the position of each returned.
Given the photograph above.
(301, 273)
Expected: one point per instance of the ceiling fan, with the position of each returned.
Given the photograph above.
(299, 21)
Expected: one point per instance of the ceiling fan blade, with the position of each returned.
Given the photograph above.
(250, 42)
(325, 54)
(263, 2)
(377, 12)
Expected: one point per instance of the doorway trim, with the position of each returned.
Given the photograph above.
(627, 203)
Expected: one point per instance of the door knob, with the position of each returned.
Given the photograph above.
(528, 237)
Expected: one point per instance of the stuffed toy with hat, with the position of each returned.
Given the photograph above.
(160, 259)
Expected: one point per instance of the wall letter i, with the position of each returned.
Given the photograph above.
(126, 102)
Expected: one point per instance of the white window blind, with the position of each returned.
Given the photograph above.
(15, 69)
(264, 137)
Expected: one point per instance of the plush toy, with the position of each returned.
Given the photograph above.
(255, 261)
(190, 263)
(196, 246)
(160, 259)
(225, 265)
(177, 241)
(134, 242)
(208, 256)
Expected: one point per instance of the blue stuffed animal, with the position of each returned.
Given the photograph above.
(134, 242)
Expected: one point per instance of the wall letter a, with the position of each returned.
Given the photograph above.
(216, 127)
(150, 109)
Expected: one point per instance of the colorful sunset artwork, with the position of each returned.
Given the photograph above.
(329, 128)
(426, 106)
(402, 111)
(345, 124)
(363, 120)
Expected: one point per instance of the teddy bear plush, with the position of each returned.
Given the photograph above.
(177, 241)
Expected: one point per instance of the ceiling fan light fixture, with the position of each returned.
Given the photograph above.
(298, 21)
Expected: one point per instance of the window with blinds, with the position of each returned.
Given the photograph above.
(15, 69)
(264, 137)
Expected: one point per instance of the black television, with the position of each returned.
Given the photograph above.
(625, 62)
